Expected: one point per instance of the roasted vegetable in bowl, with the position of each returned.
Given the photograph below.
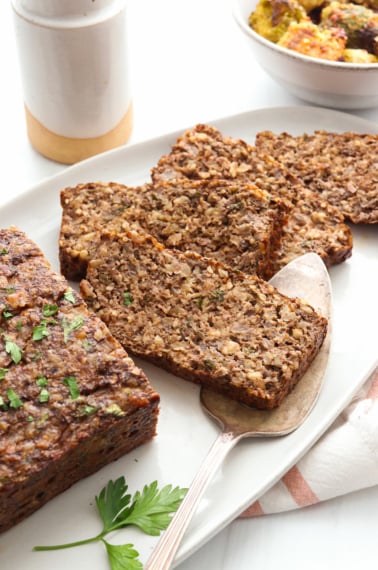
(309, 39)
(359, 23)
(336, 31)
(271, 19)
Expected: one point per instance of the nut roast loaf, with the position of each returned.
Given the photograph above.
(202, 320)
(71, 400)
(235, 223)
(313, 224)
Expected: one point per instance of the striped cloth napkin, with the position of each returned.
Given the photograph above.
(351, 443)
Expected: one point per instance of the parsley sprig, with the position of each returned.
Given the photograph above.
(150, 510)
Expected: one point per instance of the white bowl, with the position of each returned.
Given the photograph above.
(328, 83)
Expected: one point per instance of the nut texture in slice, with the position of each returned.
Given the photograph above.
(202, 320)
(341, 167)
(86, 210)
(233, 222)
(313, 225)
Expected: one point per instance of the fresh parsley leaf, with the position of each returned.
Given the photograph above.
(49, 310)
(44, 396)
(123, 556)
(3, 251)
(3, 372)
(87, 345)
(14, 401)
(7, 314)
(88, 410)
(69, 296)
(152, 509)
(70, 326)
(41, 381)
(13, 350)
(111, 501)
(73, 387)
(40, 331)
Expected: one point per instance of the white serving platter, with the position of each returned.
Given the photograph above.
(185, 433)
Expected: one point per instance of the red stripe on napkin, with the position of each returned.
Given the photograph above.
(373, 390)
(298, 492)
(298, 487)
(255, 510)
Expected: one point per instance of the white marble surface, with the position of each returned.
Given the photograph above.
(190, 65)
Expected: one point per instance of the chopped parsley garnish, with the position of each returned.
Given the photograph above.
(40, 331)
(13, 350)
(14, 400)
(41, 381)
(4, 251)
(88, 410)
(73, 387)
(44, 396)
(2, 403)
(3, 372)
(7, 314)
(69, 296)
(50, 310)
(151, 511)
(87, 345)
(127, 298)
(70, 326)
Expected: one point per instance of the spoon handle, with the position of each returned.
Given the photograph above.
(163, 555)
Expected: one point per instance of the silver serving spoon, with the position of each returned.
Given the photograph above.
(307, 278)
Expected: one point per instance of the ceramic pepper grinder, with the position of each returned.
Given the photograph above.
(74, 64)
